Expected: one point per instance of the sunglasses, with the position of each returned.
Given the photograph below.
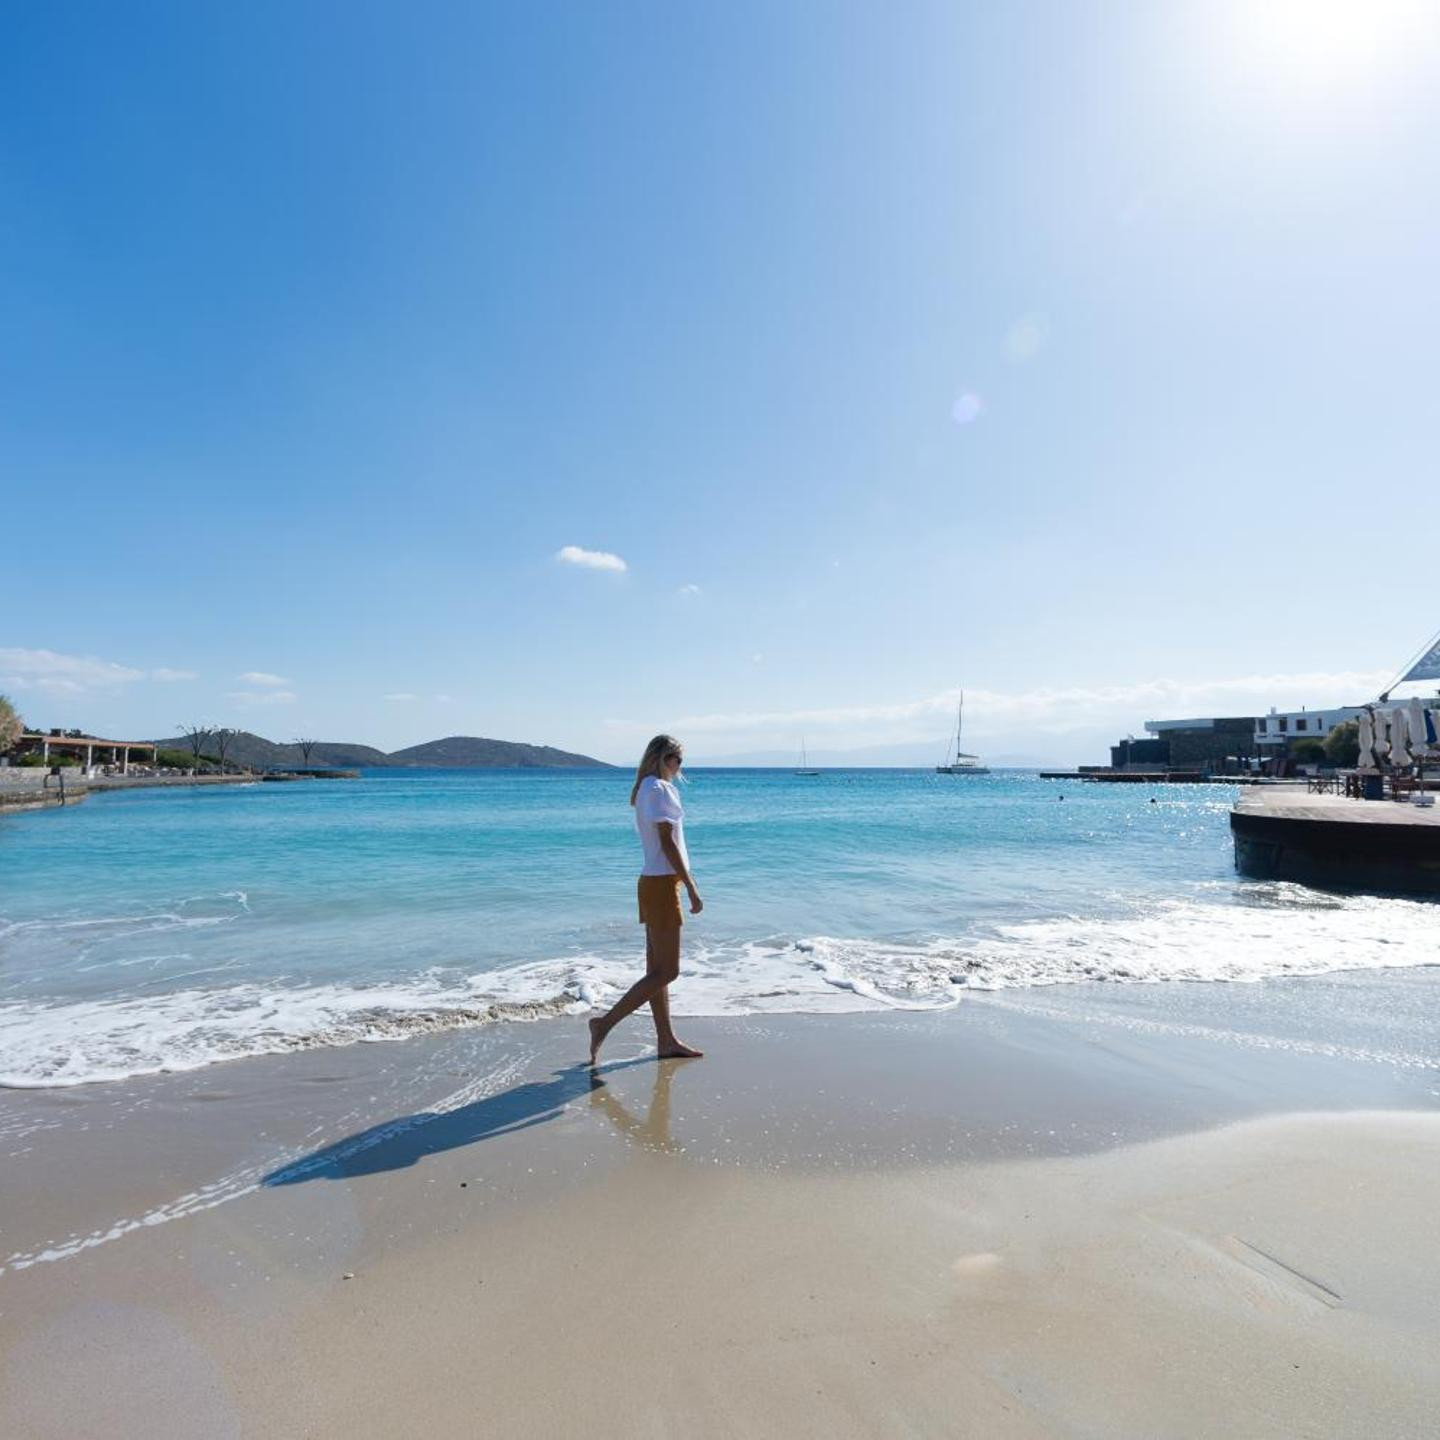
(673, 756)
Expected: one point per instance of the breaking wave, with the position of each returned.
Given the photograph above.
(1276, 931)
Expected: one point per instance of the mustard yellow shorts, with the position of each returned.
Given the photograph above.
(659, 897)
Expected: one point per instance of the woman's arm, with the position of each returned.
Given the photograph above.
(671, 851)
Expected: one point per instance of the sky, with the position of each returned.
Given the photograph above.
(758, 373)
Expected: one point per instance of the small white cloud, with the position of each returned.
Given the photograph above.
(758, 658)
(56, 674)
(401, 696)
(261, 677)
(262, 697)
(165, 674)
(967, 408)
(442, 699)
(1026, 338)
(688, 590)
(590, 559)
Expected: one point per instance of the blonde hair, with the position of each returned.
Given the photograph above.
(655, 752)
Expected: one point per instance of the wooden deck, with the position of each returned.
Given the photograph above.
(1381, 846)
(1294, 802)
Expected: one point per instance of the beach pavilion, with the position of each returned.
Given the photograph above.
(85, 746)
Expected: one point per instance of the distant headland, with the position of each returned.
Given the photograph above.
(454, 752)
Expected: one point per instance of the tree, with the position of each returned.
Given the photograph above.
(1342, 744)
(195, 737)
(306, 746)
(222, 738)
(12, 727)
(1309, 751)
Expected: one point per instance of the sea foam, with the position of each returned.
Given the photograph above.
(1269, 932)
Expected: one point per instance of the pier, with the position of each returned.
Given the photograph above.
(1386, 846)
(1153, 777)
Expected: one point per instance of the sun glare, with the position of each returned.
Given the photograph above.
(1332, 42)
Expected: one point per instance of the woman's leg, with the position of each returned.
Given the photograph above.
(666, 943)
(662, 965)
(655, 978)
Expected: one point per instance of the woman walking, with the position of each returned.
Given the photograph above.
(660, 819)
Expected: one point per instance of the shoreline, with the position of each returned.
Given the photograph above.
(984, 1221)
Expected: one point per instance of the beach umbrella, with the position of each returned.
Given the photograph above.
(1399, 737)
(1382, 735)
(1420, 736)
(1366, 760)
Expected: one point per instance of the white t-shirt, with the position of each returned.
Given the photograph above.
(659, 800)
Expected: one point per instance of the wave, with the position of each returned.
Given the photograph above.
(188, 913)
(116, 1039)
(1276, 931)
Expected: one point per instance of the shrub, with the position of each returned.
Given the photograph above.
(1310, 751)
(1342, 744)
(181, 759)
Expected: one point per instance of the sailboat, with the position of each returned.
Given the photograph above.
(957, 762)
(804, 770)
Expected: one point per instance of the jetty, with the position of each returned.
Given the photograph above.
(319, 774)
(1385, 846)
(1103, 776)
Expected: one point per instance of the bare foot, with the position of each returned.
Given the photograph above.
(597, 1039)
(676, 1051)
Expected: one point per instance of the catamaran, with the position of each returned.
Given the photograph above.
(804, 769)
(957, 762)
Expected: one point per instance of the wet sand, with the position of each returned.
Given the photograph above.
(984, 1222)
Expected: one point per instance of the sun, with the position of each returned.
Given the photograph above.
(1333, 42)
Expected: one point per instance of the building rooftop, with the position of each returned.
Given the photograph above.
(1208, 723)
(85, 740)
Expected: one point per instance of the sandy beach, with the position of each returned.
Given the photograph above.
(983, 1222)
(884, 532)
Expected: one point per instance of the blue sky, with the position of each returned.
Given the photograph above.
(1078, 355)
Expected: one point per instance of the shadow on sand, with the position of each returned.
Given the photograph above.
(399, 1143)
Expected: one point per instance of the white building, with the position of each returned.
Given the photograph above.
(1280, 727)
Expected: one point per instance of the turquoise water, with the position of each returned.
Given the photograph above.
(155, 929)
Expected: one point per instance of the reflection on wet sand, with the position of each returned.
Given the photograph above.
(653, 1132)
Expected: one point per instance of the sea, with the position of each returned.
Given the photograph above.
(156, 930)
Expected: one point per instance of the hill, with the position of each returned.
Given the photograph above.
(465, 751)
(262, 754)
(456, 752)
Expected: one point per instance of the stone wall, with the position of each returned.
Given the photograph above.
(20, 779)
(25, 788)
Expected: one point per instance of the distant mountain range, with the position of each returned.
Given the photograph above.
(476, 752)
(455, 752)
